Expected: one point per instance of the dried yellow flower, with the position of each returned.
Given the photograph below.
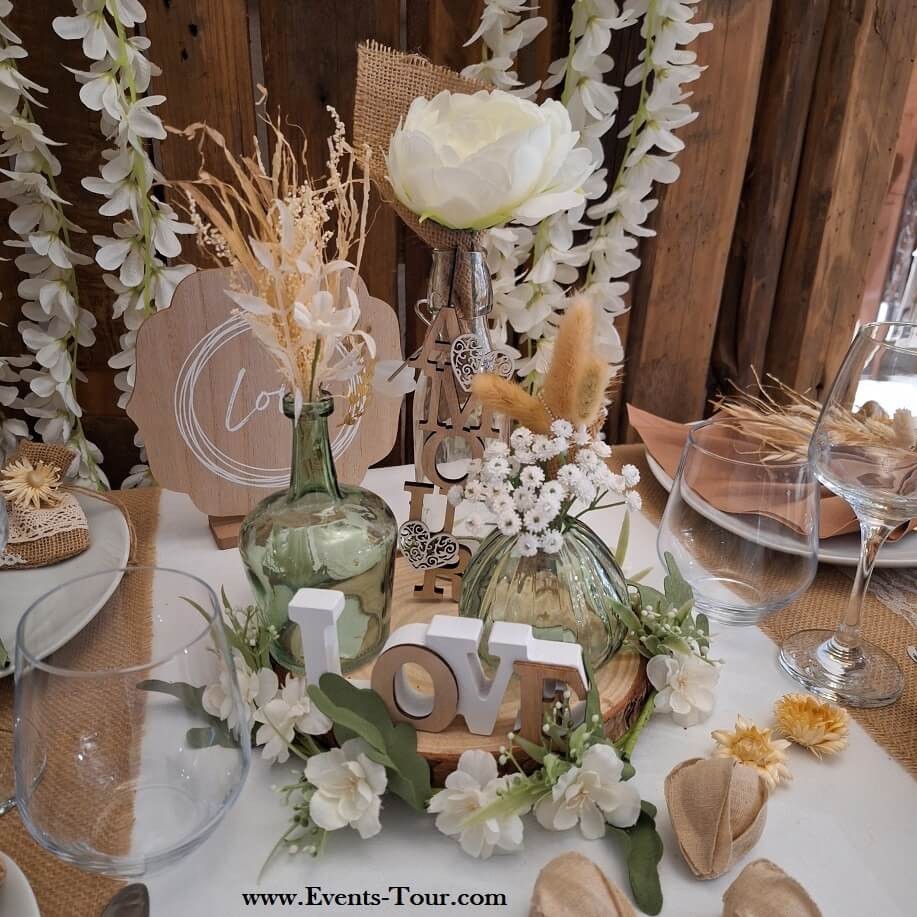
(815, 724)
(753, 746)
(29, 485)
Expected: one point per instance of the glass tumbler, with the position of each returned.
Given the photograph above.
(743, 532)
(119, 770)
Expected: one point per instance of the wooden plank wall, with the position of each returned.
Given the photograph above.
(762, 245)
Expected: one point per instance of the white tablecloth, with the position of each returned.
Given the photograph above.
(844, 828)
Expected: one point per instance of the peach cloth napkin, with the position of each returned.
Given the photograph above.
(665, 439)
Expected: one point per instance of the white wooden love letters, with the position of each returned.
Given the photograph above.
(447, 647)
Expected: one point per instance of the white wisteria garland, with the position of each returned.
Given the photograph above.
(535, 269)
(56, 326)
(135, 257)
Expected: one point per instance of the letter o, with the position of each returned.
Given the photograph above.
(388, 682)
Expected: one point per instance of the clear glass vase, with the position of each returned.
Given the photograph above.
(565, 596)
(324, 535)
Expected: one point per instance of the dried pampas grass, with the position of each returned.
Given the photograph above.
(293, 244)
(780, 421)
(575, 386)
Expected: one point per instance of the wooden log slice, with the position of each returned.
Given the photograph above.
(623, 686)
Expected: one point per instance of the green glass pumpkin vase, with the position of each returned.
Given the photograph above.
(324, 535)
(565, 596)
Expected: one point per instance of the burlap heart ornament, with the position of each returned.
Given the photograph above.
(718, 808)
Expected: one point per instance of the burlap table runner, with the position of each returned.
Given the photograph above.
(893, 727)
(62, 890)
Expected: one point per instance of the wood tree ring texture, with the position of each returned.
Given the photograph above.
(623, 686)
(208, 397)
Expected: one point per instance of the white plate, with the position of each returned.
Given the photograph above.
(16, 896)
(109, 549)
(843, 550)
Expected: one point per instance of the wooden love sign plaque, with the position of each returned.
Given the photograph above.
(207, 401)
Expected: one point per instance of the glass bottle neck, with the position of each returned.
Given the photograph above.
(312, 467)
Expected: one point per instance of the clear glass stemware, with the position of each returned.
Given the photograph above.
(119, 769)
(742, 531)
(864, 449)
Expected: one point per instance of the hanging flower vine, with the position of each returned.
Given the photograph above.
(56, 326)
(534, 271)
(146, 233)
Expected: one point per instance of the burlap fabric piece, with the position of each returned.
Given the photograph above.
(893, 727)
(571, 885)
(387, 82)
(61, 545)
(718, 809)
(763, 889)
(62, 890)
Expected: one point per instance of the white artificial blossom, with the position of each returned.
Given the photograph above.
(686, 684)
(55, 325)
(534, 270)
(591, 795)
(348, 788)
(145, 234)
(471, 787)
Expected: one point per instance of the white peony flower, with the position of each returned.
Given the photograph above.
(256, 689)
(633, 500)
(289, 712)
(348, 788)
(591, 795)
(686, 686)
(481, 160)
(469, 788)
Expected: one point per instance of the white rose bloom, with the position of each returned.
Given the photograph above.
(348, 788)
(592, 795)
(289, 712)
(469, 789)
(686, 686)
(481, 160)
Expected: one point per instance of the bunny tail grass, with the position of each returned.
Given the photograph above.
(508, 398)
(589, 397)
(568, 364)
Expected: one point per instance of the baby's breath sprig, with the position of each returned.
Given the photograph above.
(539, 486)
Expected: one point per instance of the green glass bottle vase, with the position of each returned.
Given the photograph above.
(565, 596)
(324, 535)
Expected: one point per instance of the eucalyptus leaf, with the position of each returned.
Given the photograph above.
(535, 752)
(627, 617)
(677, 590)
(215, 732)
(620, 551)
(189, 695)
(349, 719)
(361, 712)
(208, 736)
(4, 656)
(642, 847)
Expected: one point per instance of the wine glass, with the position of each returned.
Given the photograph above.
(136, 773)
(742, 531)
(864, 448)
